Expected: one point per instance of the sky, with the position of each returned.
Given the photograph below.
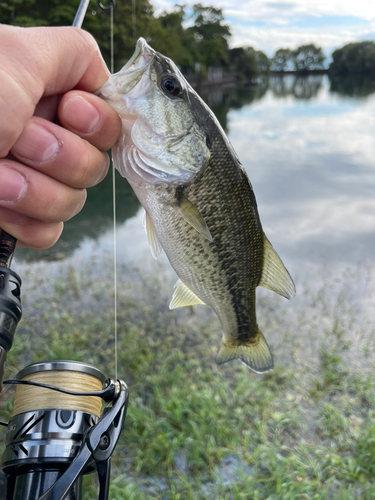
(271, 24)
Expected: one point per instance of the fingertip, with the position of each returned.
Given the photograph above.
(29, 232)
(40, 236)
(91, 118)
(79, 114)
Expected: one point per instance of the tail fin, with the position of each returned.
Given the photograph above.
(254, 353)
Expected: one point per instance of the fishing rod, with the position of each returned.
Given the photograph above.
(57, 432)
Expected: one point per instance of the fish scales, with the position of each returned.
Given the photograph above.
(200, 206)
(221, 272)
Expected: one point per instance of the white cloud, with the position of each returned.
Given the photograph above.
(272, 11)
(270, 39)
(289, 23)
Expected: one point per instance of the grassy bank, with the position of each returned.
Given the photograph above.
(198, 431)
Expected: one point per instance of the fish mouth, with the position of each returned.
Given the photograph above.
(142, 50)
(131, 74)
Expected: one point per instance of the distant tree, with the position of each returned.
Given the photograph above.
(211, 35)
(176, 42)
(282, 60)
(38, 12)
(57, 13)
(263, 63)
(243, 61)
(354, 58)
(308, 58)
(248, 62)
(146, 25)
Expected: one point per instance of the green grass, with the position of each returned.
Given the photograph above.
(198, 431)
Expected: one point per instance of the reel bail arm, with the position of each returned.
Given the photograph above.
(98, 446)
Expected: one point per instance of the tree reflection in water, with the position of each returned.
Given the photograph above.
(97, 215)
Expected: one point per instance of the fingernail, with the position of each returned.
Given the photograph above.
(13, 185)
(36, 144)
(81, 115)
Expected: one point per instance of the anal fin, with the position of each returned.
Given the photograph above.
(183, 296)
(192, 215)
(275, 277)
(254, 353)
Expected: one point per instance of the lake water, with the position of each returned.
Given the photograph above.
(308, 146)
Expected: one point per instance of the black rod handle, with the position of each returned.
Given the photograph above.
(7, 247)
(10, 298)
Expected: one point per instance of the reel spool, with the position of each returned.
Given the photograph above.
(70, 375)
(54, 437)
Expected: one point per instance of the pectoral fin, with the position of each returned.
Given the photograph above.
(275, 277)
(153, 241)
(183, 296)
(191, 214)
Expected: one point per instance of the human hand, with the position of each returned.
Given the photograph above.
(45, 167)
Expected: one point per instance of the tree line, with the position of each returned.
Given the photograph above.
(354, 58)
(196, 45)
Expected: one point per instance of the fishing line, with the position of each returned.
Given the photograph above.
(111, 36)
(110, 8)
(115, 260)
(114, 207)
(134, 17)
(78, 20)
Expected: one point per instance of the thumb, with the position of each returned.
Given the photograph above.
(37, 62)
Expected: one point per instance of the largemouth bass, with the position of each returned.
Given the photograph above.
(200, 206)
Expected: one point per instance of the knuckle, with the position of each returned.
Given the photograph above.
(87, 37)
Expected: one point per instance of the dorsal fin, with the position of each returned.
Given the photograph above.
(152, 237)
(183, 296)
(275, 277)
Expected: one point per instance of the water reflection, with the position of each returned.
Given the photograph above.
(308, 147)
(312, 166)
(299, 87)
(353, 86)
(221, 102)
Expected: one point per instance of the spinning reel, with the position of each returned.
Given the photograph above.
(57, 432)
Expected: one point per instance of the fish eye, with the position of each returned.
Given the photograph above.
(171, 85)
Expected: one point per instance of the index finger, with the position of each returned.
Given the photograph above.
(37, 62)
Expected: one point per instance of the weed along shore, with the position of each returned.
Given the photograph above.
(196, 430)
